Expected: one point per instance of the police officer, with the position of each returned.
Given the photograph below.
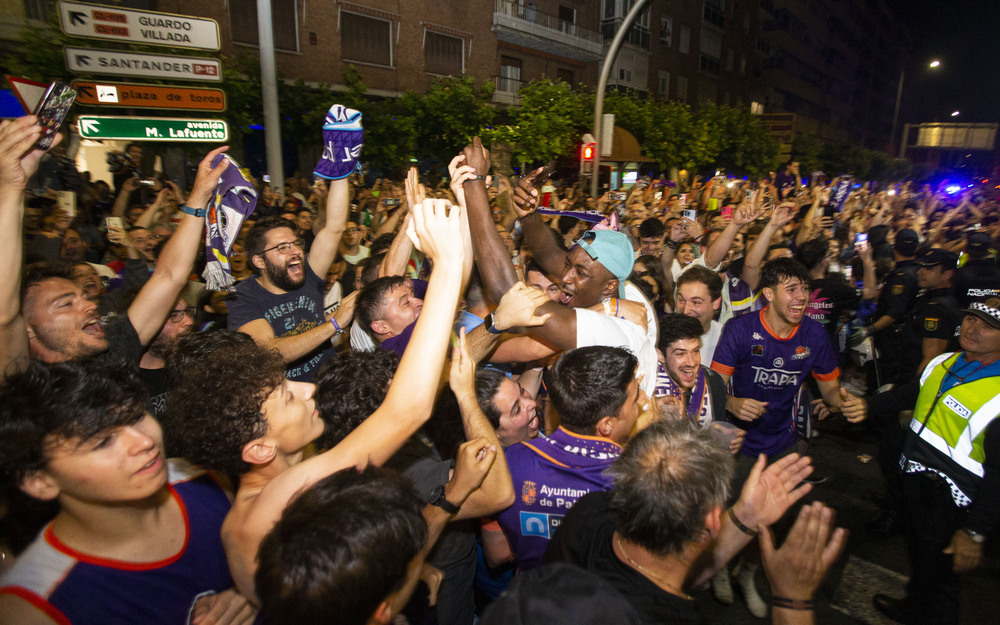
(932, 328)
(951, 474)
(978, 280)
(894, 305)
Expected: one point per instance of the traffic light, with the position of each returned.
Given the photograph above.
(587, 158)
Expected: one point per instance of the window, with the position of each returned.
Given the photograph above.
(711, 43)
(682, 88)
(684, 45)
(566, 75)
(510, 74)
(243, 21)
(664, 85)
(443, 54)
(567, 19)
(730, 59)
(666, 30)
(365, 39)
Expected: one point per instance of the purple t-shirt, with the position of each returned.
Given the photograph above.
(549, 475)
(767, 368)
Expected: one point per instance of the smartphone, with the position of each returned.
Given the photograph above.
(751, 197)
(267, 178)
(147, 182)
(617, 196)
(391, 201)
(52, 110)
(861, 241)
(691, 213)
(727, 212)
(658, 195)
(114, 222)
(684, 199)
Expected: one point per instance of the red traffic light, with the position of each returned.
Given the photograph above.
(588, 151)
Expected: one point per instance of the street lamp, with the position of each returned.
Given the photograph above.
(899, 97)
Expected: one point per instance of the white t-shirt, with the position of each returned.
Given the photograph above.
(360, 341)
(708, 342)
(363, 253)
(596, 328)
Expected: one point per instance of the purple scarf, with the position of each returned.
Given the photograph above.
(234, 199)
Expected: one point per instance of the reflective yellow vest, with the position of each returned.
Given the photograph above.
(954, 422)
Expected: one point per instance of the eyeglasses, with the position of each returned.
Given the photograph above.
(178, 315)
(284, 248)
(352, 230)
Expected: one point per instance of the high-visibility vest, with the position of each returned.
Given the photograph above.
(954, 422)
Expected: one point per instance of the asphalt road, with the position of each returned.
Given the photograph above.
(870, 563)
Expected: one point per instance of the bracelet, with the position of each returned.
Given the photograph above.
(793, 604)
(197, 212)
(478, 178)
(336, 326)
(739, 524)
(672, 244)
(488, 324)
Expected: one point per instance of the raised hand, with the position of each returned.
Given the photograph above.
(18, 156)
(435, 227)
(768, 493)
(477, 157)
(517, 308)
(783, 213)
(462, 376)
(810, 549)
(526, 195)
(472, 463)
(207, 178)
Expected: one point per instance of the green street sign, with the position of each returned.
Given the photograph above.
(153, 128)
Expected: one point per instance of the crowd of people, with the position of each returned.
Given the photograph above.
(474, 397)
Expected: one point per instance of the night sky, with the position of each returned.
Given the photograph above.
(965, 36)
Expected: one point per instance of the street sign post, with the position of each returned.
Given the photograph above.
(120, 63)
(147, 27)
(153, 128)
(133, 95)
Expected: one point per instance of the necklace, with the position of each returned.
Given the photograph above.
(674, 589)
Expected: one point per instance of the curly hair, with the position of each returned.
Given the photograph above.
(217, 405)
(349, 389)
(51, 402)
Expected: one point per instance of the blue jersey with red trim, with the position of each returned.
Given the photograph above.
(549, 475)
(766, 367)
(73, 587)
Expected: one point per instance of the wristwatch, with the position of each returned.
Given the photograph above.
(975, 536)
(438, 499)
(488, 324)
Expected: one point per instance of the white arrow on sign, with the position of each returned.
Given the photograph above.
(89, 125)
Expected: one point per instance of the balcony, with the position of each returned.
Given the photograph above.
(505, 90)
(528, 27)
(638, 35)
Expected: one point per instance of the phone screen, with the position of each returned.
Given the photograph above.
(52, 110)
(861, 241)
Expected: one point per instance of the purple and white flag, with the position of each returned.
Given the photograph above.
(343, 138)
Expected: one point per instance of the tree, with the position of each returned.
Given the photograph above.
(549, 121)
(449, 114)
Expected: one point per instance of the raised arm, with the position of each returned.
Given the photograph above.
(121, 201)
(18, 162)
(324, 247)
(411, 395)
(496, 492)
(744, 214)
(537, 235)
(150, 307)
(782, 214)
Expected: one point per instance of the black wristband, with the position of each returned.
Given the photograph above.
(438, 499)
(792, 604)
(739, 524)
(672, 244)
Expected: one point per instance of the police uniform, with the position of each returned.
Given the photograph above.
(951, 473)
(897, 300)
(978, 280)
(935, 316)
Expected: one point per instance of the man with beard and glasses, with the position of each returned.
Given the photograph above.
(282, 306)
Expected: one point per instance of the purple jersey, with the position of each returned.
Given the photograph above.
(549, 475)
(768, 368)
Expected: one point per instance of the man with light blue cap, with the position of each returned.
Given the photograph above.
(598, 306)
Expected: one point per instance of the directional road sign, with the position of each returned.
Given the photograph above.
(134, 95)
(147, 27)
(153, 128)
(139, 65)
